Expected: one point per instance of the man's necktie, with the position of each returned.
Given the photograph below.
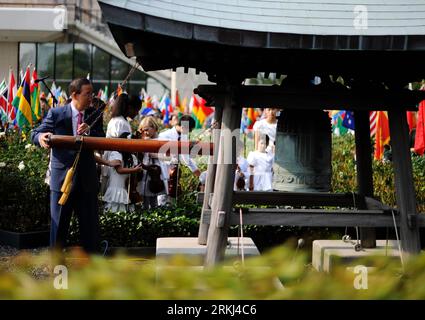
(80, 120)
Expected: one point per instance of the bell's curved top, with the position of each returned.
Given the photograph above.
(308, 17)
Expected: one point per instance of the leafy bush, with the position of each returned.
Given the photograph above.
(121, 277)
(24, 196)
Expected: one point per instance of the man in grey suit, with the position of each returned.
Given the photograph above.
(69, 120)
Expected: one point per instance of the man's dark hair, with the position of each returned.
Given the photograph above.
(187, 118)
(77, 84)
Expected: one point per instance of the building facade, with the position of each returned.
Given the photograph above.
(65, 40)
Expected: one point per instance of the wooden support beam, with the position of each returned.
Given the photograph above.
(371, 203)
(211, 173)
(224, 180)
(315, 218)
(403, 177)
(320, 98)
(364, 170)
(297, 199)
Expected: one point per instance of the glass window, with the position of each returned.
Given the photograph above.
(43, 88)
(100, 65)
(97, 85)
(64, 58)
(119, 70)
(82, 60)
(137, 82)
(27, 55)
(45, 60)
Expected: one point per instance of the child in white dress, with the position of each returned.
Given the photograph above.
(123, 107)
(261, 166)
(116, 196)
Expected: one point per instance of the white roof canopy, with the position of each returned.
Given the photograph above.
(310, 17)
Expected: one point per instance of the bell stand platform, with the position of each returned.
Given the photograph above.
(219, 199)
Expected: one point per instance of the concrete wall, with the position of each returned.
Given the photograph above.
(8, 58)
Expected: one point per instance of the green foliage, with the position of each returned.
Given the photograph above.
(141, 228)
(23, 194)
(260, 278)
(344, 173)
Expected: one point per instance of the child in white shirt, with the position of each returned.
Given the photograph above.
(261, 167)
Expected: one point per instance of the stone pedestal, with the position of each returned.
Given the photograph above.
(327, 252)
(168, 247)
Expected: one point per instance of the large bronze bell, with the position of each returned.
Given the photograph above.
(303, 151)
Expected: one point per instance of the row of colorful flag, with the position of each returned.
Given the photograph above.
(197, 107)
(342, 121)
(20, 106)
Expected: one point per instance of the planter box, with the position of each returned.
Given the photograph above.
(25, 240)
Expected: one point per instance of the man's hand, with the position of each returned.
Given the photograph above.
(83, 128)
(197, 172)
(44, 139)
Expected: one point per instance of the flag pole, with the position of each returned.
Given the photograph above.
(244, 145)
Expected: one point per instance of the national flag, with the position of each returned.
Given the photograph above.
(104, 96)
(63, 97)
(251, 115)
(166, 108)
(3, 85)
(372, 122)
(204, 112)
(382, 136)
(244, 121)
(147, 112)
(3, 101)
(420, 130)
(147, 108)
(411, 120)
(339, 129)
(35, 97)
(58, 92)
(194, 108)
(184, 106)
(177, 103)
(24, 113)
(348, 121)
(119, 90)
(11, 93)
(53, 89)
(337, 117)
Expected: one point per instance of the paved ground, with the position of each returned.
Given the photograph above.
(8, 256)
